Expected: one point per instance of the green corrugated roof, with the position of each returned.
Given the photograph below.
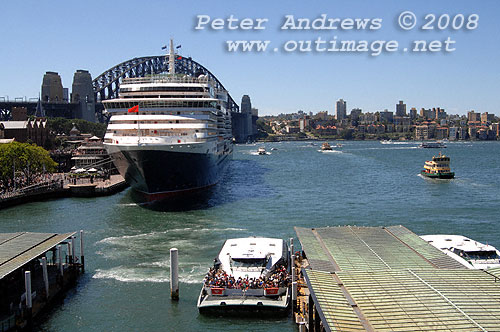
(408, 300)
(389, 279)
(369, 248)
(429, 252)
(17, 249)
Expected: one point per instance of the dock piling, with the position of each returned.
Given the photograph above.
(27, 284)
(70, 258)
(174, 274)
(60, 260)
(45, 277)
(294, 295)
(73, 260)
(82, 256)
(29, 300)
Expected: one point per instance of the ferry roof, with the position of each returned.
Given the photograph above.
(17, 249)
(457, 241)
(389, 279)
(252, 247)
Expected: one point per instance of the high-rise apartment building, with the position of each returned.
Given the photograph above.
(400, 109)
(340, 109)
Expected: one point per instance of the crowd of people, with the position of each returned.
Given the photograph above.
(217, 277)
(21, 183)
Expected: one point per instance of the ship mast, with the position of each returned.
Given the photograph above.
(171, 59)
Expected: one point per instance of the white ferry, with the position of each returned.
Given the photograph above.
(169, 134)
(470, 253)
(249, 275)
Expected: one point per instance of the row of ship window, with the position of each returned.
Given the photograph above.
(163, 104)
(166, 88)
(153, 133)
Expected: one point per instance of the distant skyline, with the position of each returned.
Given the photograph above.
(93, 35)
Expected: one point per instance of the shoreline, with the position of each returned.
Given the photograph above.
(115, 185)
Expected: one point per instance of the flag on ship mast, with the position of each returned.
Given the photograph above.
(134, 109)
(178, 46)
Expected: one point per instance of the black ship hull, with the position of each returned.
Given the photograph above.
(159, 174)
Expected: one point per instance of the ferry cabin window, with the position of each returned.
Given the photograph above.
(476, 255)
(248, 262)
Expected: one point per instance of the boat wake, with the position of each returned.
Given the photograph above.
(254, 153)
(127, 239)
(155, 272)
(434, 179)
(128, 204)
(329, 151)
(392, 148)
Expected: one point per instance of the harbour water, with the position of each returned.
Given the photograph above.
(125, 287)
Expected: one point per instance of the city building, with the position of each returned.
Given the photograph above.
(495, 127)
(413, 113)
(473, 131)
(35, 131)
(326, 130)
(487, 118)
(453, 133)
(292, 129)
(401, 109)
(441, 133)
(303, 124)
(368, 118)
(425, 132)
(439, 113)
(341, 109)
(386, 117)
(402, 124)
(355, 113)
(473, 116)
(90, 154)
(462, 133)
(322, 115)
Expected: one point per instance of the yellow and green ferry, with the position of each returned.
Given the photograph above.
(438, 168)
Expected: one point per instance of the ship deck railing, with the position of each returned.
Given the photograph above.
(223, 291)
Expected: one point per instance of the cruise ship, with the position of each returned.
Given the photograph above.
(170, 133)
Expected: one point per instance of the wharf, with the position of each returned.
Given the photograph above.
(63, 187)
(35, 269)
(86, 188)
(389, 279)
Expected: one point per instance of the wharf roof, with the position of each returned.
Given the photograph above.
(370, 248)
(389, 279)
(18, 249)
(407, 300)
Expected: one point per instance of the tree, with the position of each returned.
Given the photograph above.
(24, 159)
(63, 126)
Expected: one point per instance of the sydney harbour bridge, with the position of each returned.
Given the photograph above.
(106, 86)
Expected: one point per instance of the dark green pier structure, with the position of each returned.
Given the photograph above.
(35, 268)
(389, 279)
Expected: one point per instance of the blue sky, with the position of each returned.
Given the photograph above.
(63, 36)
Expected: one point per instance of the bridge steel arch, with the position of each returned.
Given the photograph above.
(107, 84)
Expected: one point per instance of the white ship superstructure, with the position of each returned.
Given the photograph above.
(169, 133)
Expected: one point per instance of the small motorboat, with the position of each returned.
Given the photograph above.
(326, 147)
